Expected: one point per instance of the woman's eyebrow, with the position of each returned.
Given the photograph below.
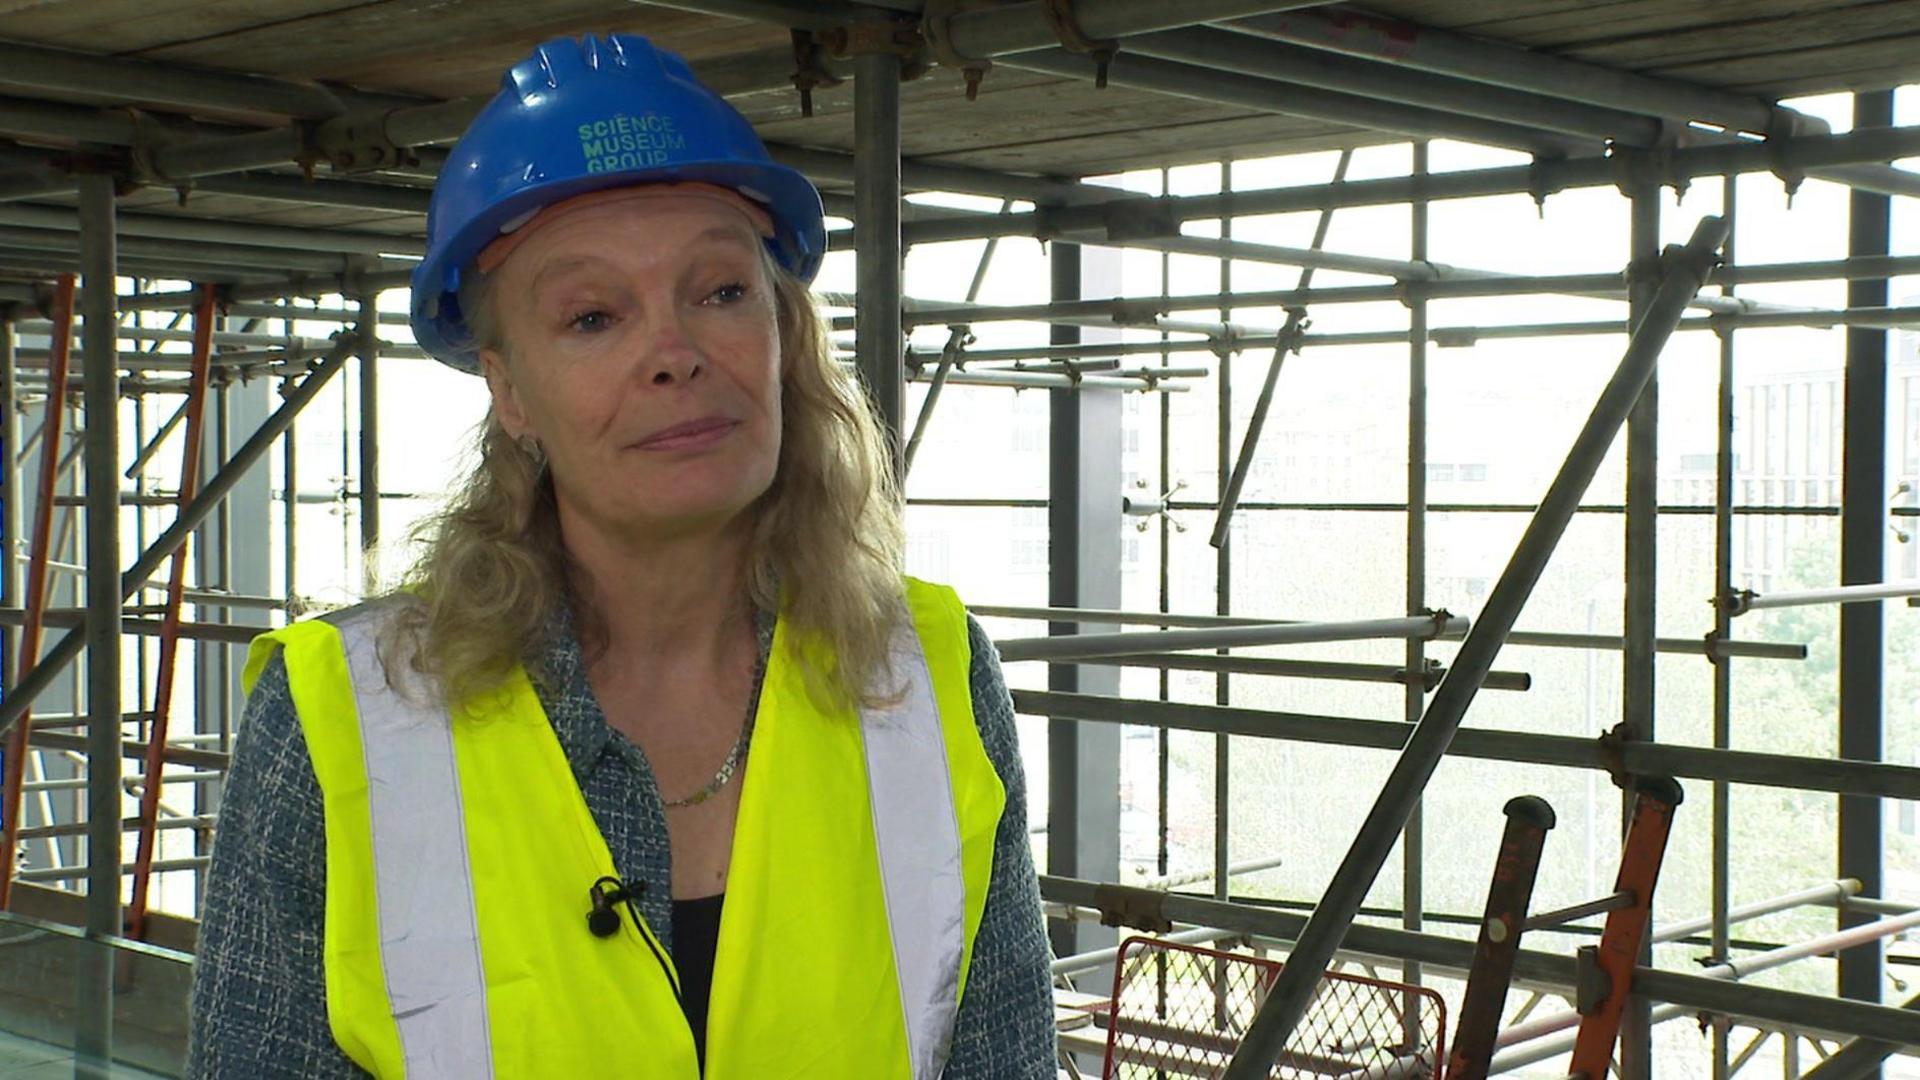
(725, 232)
(561, 266)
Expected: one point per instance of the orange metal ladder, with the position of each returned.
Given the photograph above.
(1606, 969)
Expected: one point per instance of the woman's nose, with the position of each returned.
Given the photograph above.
(671, 356)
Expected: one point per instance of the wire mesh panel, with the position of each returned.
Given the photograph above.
(1179, 1011)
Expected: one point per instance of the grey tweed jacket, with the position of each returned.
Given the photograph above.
(259, 1002)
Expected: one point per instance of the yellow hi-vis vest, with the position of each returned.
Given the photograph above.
(460, 852)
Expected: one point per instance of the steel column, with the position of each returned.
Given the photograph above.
(1863, 529)
(1083, 567)
(93, 1035)
(880, 348)
(1424, 748)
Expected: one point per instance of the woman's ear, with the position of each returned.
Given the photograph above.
(506, 397)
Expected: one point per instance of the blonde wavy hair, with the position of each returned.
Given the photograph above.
(825, 551)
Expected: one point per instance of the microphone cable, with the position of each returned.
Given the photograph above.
(604, 921)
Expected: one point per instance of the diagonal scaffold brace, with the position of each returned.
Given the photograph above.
(14, 707)
(1686, 269)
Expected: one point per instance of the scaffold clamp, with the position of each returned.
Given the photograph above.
(934, 27)
(1126, 905)
(350, 146)
(1591, 983)
(1613, 745)
(809, 74)
(1066, 27)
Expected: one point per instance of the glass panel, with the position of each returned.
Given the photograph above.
(45, 969)
(981, 443)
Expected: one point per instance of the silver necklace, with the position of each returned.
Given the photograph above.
(726, 772)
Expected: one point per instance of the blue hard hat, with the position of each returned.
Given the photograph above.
(583, 115)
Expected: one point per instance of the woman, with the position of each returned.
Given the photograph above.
(658, 768)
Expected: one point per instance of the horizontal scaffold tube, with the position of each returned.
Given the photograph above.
(1743, 601)
(1543, 178)
(1528, 747)
(1757, 650)
(1337, 670)
(1087, 646)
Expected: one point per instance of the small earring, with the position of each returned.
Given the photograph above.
(531, 447)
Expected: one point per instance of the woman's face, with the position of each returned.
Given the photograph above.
(644, 355)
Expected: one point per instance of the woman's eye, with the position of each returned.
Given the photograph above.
(590, 321)
(730, 293)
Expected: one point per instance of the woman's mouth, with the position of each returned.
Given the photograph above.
(692, 435)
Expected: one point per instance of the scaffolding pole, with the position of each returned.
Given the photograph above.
(1065, 647)
(1837, 775)
(1720, 874)
(1755, 650)
(878, 265)
(1859, 1058)
(1640, 571)
(1740, 602)
(1413, 861)
(371, 350)
(1422, 682)
(1542, 178)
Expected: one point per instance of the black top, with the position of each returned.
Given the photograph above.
(696, 930)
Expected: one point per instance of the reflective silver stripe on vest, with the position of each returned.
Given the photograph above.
(917, 831)
(429, 935)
